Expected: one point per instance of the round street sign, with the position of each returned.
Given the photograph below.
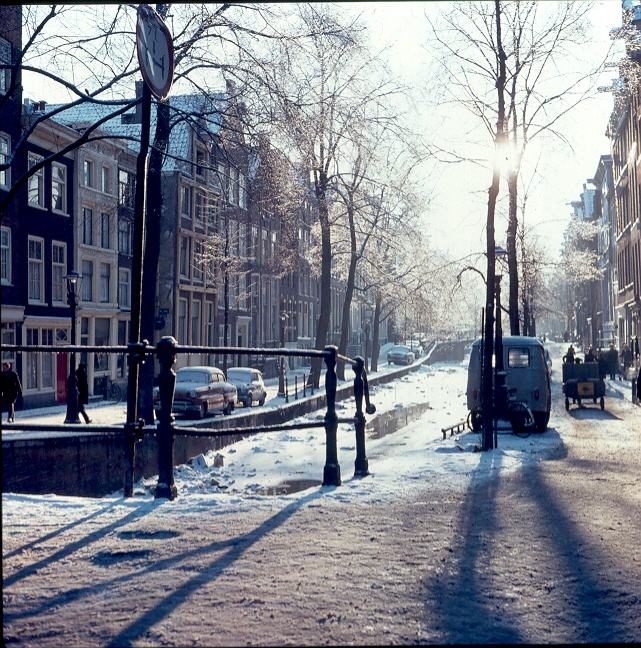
(155, 49)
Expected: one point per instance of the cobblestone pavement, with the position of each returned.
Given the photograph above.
(550, 554)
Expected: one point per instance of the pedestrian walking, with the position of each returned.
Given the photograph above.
(611, 358)
(626, 358)
(11, 389)
(83, 390)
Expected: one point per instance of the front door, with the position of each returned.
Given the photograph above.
(62, 364)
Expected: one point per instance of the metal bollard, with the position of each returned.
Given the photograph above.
(286, 390)
(296, 387)
(165, 432)
(361, 465)
(332, 471)
(304, 386)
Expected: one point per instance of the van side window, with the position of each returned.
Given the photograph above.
(518, 357)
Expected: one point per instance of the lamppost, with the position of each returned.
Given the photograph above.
(74, 281)
(281, 375)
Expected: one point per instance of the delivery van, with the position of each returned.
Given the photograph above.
(527, 378)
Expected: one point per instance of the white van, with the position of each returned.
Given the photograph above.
(527, 372)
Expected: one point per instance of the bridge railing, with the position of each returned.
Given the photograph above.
(167, 351)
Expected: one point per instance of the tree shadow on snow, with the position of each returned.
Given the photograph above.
(477, 597)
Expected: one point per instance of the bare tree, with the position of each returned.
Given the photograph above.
(537, 39)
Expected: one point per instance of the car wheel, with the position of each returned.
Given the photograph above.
(202, 412)
(248, 401)
(228, 409)
(261, 402)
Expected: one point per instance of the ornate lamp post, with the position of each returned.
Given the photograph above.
(281, 374)
(74, 282)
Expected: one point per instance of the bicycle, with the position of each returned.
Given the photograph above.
(114, 391)
(519, 415)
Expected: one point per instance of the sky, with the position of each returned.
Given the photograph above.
(254, 469)
(455, 217)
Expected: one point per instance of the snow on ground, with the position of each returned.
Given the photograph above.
(256, 469)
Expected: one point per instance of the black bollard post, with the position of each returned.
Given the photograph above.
(361, 465)
(165, 432)
(296, 387)
(332, 472)
(286, 390)
(304, 386)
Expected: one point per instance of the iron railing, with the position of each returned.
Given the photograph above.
(166, 352)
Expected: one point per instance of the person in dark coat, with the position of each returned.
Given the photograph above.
(611, 358)
(11, 389)
(590, 356)
(570, 356)
(83, 390)
(626, 358)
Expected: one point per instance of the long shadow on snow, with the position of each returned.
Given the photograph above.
(464, 607)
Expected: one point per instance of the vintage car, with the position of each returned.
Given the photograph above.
(249, 383)
(200, 391)
(400, 354)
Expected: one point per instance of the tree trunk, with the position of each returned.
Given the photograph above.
(375, 327)
(326, 286)
(349, 292)
(512, 262)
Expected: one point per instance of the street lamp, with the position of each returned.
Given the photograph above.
(74, 281)
(281, 375)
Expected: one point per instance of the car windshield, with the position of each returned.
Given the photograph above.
(200, 377)
(400, 349)
(236, 374)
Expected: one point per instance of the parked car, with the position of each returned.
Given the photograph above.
(249, 383)
(200, 391)
(418, 351)
(400, 354)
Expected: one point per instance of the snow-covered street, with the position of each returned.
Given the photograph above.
(536, 541)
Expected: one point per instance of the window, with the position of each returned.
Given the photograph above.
(199, 215)
(518, 357)
(36, 269)
(58, 267)
(124, 236)
(105, 280)
(233, 186)
(5, 256)
(30, 365)
(88, 173)
(8, 337)
(36, 182)
(242, 192)
(222, 178)
(5, 59)
(201, 160)
(126, 188)
(212, 212)
(182, 321)
(211, 340)
(242, 240)
(104, 230)
(184, 257)
(185, 201)
(102, 327)
(195, 322)
(46, 359)
(87, 225)
(87, 280)
(38, 367)
(5, 150)
(124, 288)
(59, 187)
(198, 261)
(106, 180)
